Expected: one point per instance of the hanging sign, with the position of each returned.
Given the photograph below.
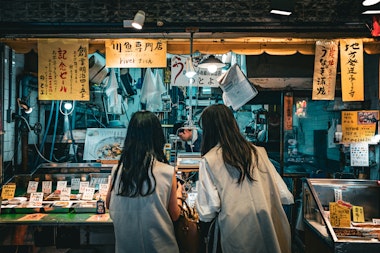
(325, 65)
(203, 78)
(63, 69)
(351, 65)
(359, 126)
(136, 53)
(288, 111)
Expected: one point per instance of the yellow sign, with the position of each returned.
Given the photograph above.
(63, 69)
(358, 126)
(358, 214)
(8, 191)
(136, 53)
(340, 215)
(325, 65)
(352, 69)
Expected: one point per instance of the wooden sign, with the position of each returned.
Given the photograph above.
(136, 53)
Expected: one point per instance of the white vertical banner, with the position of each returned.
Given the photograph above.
(325, 65)
(202, 79)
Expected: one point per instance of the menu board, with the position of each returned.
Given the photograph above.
(359, 126)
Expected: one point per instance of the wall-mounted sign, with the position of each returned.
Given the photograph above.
(351, 65)
(288, 111)
(203, 78)
(136, 53)
(359, 126)
(325, 65)
(63, 69)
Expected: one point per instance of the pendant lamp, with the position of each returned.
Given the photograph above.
(211, 63)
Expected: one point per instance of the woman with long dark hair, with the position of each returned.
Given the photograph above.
(238, 189)
(142, 197)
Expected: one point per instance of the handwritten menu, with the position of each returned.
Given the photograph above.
(359, 126)
(63, 70)
(8, 191)
(359, 154)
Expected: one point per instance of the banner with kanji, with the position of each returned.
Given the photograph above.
(352, 69)
(63, 69)
(203, 78)
(136, 53)
(325, 65)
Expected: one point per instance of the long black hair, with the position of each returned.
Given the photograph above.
(143, 144)
(220, 127)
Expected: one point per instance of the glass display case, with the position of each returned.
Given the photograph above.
(321, 236)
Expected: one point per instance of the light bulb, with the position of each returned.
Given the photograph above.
(212, 68)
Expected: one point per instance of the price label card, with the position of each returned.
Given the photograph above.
(36, 198)
(88, 193)
(83, 185)
(32, 186)
(61, 185)
(75, 183)
(47, 186)
(103, 189)
(65, 194)
(8, 191)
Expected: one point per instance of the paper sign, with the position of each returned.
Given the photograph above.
(83, 186)
(357, 214)
(99, 217)
(103, 189)
(75, 183)
(340, 216)
(33, 216)
(47, 186)
(36, 199)
(65, 194)
(8, 191)
(61, 185)
(88, 193)
(32, 186)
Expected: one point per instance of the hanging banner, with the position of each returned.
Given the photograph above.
(136, 53)
(63, 69)
(352, 70)
(203, 78)
(288, 111)
(359, 126)
(325, 65)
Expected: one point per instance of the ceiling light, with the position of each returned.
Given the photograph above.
(211, 63)
(370, 2)
(139, 19)
(282, 7)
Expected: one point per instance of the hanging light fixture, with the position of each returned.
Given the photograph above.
(282, 7)
(190, 70)
(139, 19)
(137, 22)
(211, 63)
(370, 2)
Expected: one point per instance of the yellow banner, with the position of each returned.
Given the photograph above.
(136, 53)
(359, 126)
(325, 64)
(351, 65)
(63, 69)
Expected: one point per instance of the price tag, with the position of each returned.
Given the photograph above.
(83, 186)
(8, 191)
(103, 189)
(47, 186)
(75, 183)
(61, 185)
(65, 194)
(88, 193)
(32, 186)
(36, 198)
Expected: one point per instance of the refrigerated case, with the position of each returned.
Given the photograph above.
(320, 235)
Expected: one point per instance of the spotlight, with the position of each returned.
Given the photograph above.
(139, 19)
